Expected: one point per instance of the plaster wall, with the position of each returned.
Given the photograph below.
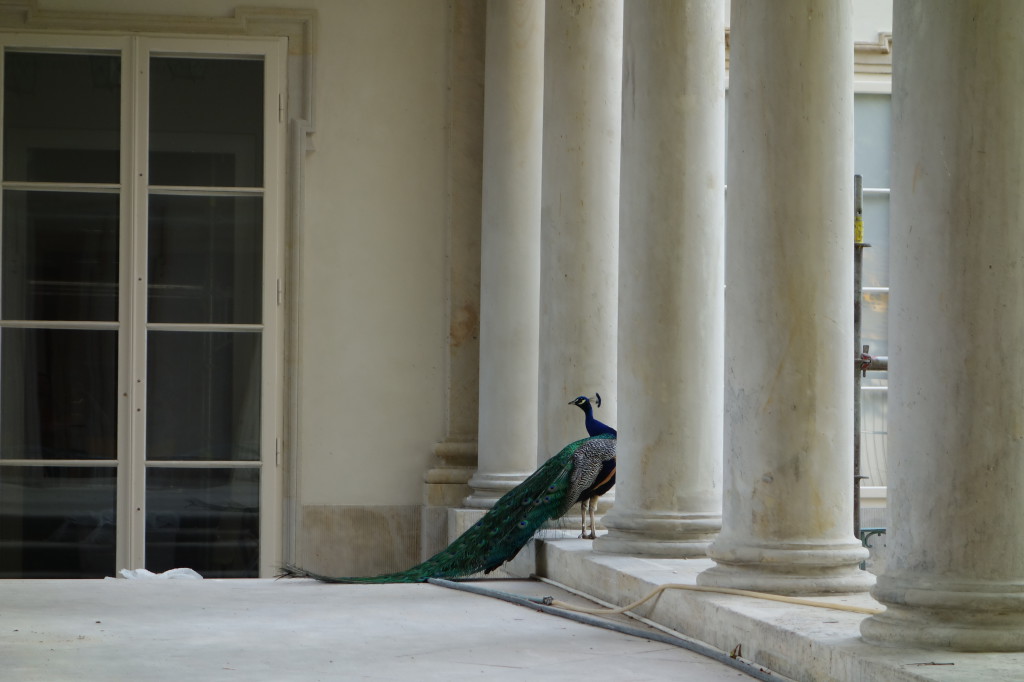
(371, 274)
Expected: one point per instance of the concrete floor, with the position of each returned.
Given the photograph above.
(198, 630)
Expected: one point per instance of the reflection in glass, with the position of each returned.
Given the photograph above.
(203, 396)
(874, 330)
(876, 233)
(205, 259)
(874, 431)
(57, 522)
(206, 122)
(58, 394)
(62, 114)
(60, 256)
(205, 519)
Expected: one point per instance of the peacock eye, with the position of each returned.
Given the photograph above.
(526, 501)
(522, 524)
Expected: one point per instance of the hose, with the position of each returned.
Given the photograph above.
(547, 605)
(719, 590)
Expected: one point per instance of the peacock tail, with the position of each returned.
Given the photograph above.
(506, 528)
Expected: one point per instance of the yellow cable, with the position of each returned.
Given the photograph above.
(719, 590)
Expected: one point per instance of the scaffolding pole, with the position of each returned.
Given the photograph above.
(858, 351)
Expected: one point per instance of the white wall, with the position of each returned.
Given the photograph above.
(871, 17)
(372, 352)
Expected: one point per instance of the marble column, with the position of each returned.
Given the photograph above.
(954, 573)
(446, 483)
(579, 214)
(510, 249)
(788, 498)
(671, 281)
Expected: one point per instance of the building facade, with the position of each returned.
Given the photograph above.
(295, 281)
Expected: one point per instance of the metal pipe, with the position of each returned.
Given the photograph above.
(872, 363)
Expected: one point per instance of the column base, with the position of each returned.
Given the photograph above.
(487, 488)
(445, 485)
(970, 616)
(658, 534)
(443, 489)
(789, 568)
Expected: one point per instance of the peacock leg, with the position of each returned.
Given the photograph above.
(593, 524)
(583, 519)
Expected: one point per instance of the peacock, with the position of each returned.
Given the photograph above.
(578, 473)
(606, 479)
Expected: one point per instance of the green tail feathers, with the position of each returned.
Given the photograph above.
(504, 530)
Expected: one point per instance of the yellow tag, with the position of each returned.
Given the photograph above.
(858, 230)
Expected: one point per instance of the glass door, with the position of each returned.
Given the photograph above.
(135, 360)
(59, 306)
(203, 288)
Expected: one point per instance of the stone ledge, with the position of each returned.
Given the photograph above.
(800, 642)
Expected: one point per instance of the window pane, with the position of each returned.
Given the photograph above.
(60, 256)
(206, 122)
(204, 396)
(874, 431)
(62, 114)
(204, 519)
(876, 233)
(874, 332)
(57, 522)
(58, 394)
(205, 259)
(872, 138)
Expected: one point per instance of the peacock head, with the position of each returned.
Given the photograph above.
(583, 402)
